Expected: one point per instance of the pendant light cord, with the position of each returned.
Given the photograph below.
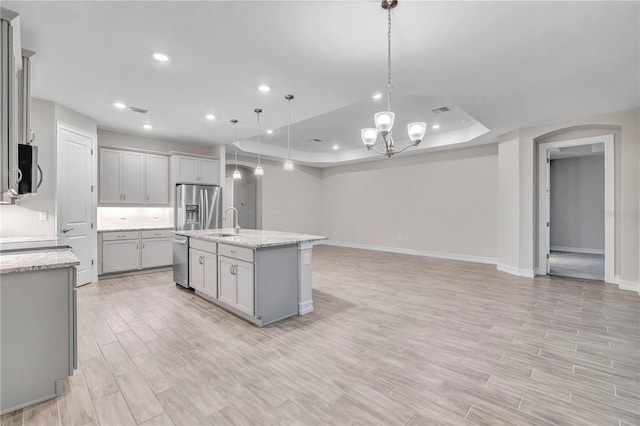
(389, 86)
(235, 147)
(258, 114)
(289, 132)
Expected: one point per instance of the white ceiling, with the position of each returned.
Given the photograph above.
(502, 65)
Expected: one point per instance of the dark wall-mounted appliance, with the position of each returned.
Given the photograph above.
(29, 173)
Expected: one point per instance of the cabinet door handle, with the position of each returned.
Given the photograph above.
(142, 245)
(137, 246)
(124, 196)
(147, 197)
(201, 260)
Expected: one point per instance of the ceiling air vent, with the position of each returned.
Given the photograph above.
(140, 110)
(440, 110)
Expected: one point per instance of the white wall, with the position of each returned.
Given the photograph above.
(508, 204)
(577, 203)
(443, 203)
(287, 201)
(24, 219)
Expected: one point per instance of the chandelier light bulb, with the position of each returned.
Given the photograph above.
(259, 171)
(416, 131)
(369, 136)
(384, 121)
(237, 174)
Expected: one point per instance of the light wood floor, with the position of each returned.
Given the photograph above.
(394, 339)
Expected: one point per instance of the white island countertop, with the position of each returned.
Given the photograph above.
(34, 260)
(251, 238)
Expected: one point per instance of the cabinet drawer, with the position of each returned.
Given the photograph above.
(241, 253)
(124, 235)
(157, 233)
(208, 246)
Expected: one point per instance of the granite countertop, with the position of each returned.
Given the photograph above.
(122, 228)
(34, 260)
(251, 238)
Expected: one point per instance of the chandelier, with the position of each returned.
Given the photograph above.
(384, 119)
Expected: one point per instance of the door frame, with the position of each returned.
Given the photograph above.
(60, 125)
(544, 242)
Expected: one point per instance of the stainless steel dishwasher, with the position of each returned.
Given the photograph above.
(181, 260)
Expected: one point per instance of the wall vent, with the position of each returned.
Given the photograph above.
(140, 110)
(441, 110)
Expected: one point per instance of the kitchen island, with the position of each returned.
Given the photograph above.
(262, 276)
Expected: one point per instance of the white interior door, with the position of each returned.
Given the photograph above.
(76, 201)
(548, 216)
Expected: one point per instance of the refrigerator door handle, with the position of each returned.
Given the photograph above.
(202, 209)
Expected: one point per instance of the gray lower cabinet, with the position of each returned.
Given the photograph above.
(124, 251)
(38, 346)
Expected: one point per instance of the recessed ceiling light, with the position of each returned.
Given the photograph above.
(148, 126)
(435, 126)
(336, 147)
(377, 96)
(119, 105)
(269, 131)
(160, 57)
(210, 117)
(264, 88)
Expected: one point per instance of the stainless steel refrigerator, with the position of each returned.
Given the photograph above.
(197, 207)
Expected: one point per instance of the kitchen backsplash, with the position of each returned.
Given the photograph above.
(113, 217)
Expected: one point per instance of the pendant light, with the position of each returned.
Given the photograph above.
(288, 164)
(384, 119)
(259, 170)
(236, 172)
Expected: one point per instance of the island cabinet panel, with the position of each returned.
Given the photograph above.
(243, 272)
(227, 281)
(203, 272)
(276, 289)
(196, 269)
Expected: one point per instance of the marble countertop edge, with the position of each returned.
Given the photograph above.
(36, 260)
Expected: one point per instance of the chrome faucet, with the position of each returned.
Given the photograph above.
(237, 225)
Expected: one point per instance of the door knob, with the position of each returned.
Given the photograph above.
(65, 230)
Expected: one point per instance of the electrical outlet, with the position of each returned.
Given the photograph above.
(43, 215)
(335, 232)
(406, 238)
(399, 237)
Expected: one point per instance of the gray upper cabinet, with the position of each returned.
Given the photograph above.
(133, 178)
(157, 179)
(198, 170)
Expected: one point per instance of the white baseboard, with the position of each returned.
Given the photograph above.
(439, 255)
(627, 285)
(577, 250)
(527, 273)
(305, 307)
